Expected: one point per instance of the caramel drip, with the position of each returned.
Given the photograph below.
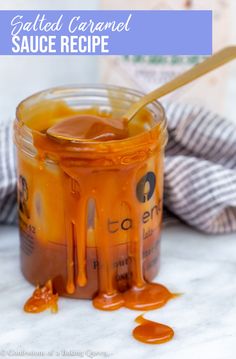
(76, 231)
(70, 235)
(81, 241)
(42, 299)
(70, 239)
(108, 297)
(150, 332)
(136, 254)
(141, 295)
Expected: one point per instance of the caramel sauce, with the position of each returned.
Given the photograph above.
(141, 295)
(150, 332)
(84, 203)
(90, 127)
(42, 299)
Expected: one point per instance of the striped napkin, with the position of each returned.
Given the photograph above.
(8, 201)
(200, 170)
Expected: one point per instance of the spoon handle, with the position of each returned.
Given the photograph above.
(218, 59)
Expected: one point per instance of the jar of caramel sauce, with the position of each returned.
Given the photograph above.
(90, 211)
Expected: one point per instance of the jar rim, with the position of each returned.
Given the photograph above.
(74, 89)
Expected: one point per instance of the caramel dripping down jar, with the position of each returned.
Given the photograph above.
(90, 213)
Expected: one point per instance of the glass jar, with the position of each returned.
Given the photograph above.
(90, 212)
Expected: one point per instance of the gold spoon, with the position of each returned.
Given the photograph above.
(218, 59)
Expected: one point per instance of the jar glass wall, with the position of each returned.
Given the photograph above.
(90, 212)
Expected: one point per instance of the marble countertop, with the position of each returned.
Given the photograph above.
(202, 267)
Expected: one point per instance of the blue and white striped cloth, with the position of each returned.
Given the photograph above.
(8, 201)
(200, 170)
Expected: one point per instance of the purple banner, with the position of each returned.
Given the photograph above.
(106, 32)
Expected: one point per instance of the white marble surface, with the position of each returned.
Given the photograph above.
(202, 267)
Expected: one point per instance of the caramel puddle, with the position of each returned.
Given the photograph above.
(150, 332)
(42, 299)
(150, 296)
(147, 297)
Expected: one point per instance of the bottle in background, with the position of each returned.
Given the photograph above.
(148, 72)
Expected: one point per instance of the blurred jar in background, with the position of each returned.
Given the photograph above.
(147, 72)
